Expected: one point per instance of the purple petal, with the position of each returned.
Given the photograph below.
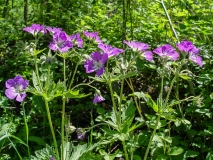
(89, 66)
(173, 55)
(197, 59)
(52, 46)
(20, 97)
(148, 55)
(110, 50)
(10, 93)
(9, 83)
(104, 58)
(98, 98)
(97, 56)
(100, 71)
(137, 45)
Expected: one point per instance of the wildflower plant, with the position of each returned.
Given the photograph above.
(120, 123)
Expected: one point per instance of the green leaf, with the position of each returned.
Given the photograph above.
(191, 153)
(101, 110)
(211, 95)
(175, 151)
(39, 51)
(136, 157)
(75, 94)
(148, 100)
(38, 140)
(44, 154)
(35, 82)
(209, 156)
(162, 157)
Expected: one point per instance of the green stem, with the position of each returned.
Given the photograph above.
(27, 129)
(47, 82)
(51, 127)
(152, 136)
(63, 111)
(121, 97)
(73, 76)
(161, 91)
(125, 151)
(113, 103)
(136, 103)
(37, 73)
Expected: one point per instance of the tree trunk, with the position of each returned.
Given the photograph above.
(25, 11)
(5, 9)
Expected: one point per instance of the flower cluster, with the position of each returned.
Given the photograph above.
(16, 88)
(141, 48)
(61, 41)
(188, 48)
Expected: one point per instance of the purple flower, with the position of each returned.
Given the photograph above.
(93, 35)
(76, 39)
(185, 46)
(148, 55)
(197, 59)
(61, 42)
(53, 30)
(188, 47)
(51, 158)
(98, 98)
(96, 63)
(16, 88)
(167, 51)
(137, 46)
(110, 50)
(35, 29)
(80, 133)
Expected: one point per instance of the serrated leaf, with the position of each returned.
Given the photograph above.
(35, 82)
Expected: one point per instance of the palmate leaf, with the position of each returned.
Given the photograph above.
(80, 152)
(55, 90)
(44, 154)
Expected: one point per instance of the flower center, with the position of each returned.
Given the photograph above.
(97, 64)
(60, 43)
(19, 89)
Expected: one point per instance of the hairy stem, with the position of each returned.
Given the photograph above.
(51, 127)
